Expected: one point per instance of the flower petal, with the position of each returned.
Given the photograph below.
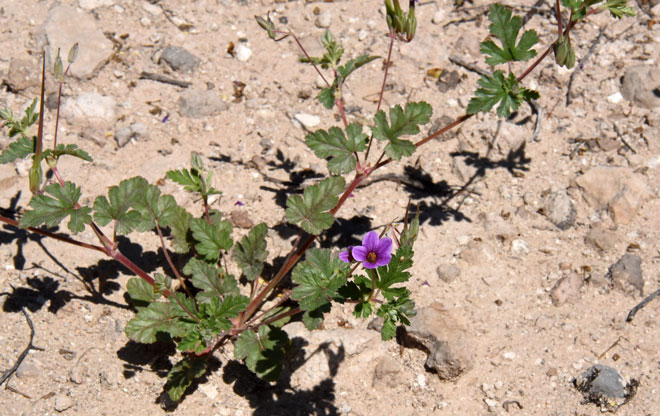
(384, 247)
(368, 265)
(383, 260)
(345, 256)
(370, 241)
(360, 253)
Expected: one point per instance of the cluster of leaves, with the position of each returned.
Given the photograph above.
(505, 91)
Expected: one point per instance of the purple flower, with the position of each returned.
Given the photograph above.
(373, 252)
(347, 256)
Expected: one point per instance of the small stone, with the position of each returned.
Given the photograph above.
(601, 238)
(567, 289)
(27, 370)
(447, 272)
(468, 45)
(324, 20)
(209, 390)
(241, 219)
(198, 103)
(77, 374)
(90, 106)
(386, 372)
(139, 130)
(63, 403)
(560, 210)
(123, 135)
(509, 355)
(605, 387)
(243, 53)
(626, 275)
(444, 335)
(641, 85)
(23, 74)
(438, 17)
(620, 191)
(519, 247)
(145, 21)
(179, 59)
(152, 9)
(615, 98)
(491, 403)
(94, 4)
(362, 34)
(308, 121)
(66, 26)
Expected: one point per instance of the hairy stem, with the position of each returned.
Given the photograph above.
(182, 282)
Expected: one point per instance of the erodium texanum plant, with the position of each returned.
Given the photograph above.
(202, 307)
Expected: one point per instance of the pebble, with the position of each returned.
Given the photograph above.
(603, 386)
(209, 390)
(324, 20)
(601, 238)
(640, 84)
(152, 9)
(567, 290)
(94, 4)
(308, 121)
(65, 26)
(90, 106)
(63, 403)
(198, 103)
(626, 275)
(560, 210)
(362, 34)
(179, 59)
(509, 355)
(438, 17)
(23, 74)
(615, 98)
(519, 247)
(27, 370)
(241, 219)
(444, 335)
(243, 53)
(385, 372)
(618, 190)
(447, 272)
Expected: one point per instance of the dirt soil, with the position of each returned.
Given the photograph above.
(483, 192)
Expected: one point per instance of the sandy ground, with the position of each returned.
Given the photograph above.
(490, 221)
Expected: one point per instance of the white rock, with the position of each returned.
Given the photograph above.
(509, 355)
(307, 120)
(243, 53)
(90, 106)
(615, 98)
(93, 4)
(324, 20)
(64, 27)
(439, 16)
(209, 390)
(362, 34)
(421, 380)
(654, 162)
(145, 21)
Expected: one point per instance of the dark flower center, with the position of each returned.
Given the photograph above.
(372, 257)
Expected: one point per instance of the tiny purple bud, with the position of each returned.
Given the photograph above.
(167, 116)
(239, 203)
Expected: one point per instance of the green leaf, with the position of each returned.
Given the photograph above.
(182, 375)
(35, 176)
(21, 126)
(347, 69)
(410, 231)
(212, 282)
(251, 252)
(327, 97)
(122, 199)
(332, 55)
(506, 93)
(141, 291)
(313, 319)
(19, 149)
(155, 318)
(311, 209)
(618, 8)
(276, 311)
(69, 149)
(333, 144)
(155, 208)
(395, 272)
(395, 310)
(52, 210)
(221, 313)
(179, 230)
(506, 29)
(579, 7)
(262, 351)
(211, 238)
(163, 283)
(318, 278)
(267, 25)
(403, 122)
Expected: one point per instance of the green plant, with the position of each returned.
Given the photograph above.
(202, 307)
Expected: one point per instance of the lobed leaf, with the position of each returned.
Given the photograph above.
(155, 318)
(68, 149)
(18, 149)
(506, 29)
(402, 122)
(182, 375)
(211, 238)
(311, 209)
(122, 198)
(140, 291)
(251, 252)
(263, 351)
(333, 144)
(318, 278)
(395, 272)
(393, 311)
(212, 282)
(52, 210)
(506, 93)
